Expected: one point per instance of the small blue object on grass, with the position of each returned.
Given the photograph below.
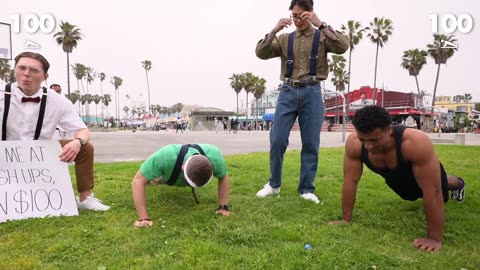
(308, 247)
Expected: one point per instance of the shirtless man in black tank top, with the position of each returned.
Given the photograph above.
(406, 158)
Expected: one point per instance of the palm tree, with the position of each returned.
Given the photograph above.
(458, 98)
(96, 99)
(68, 37)
(177, 107)
(380, 30)
(107, 98)
(336, 66)
(74, 96)
(236, 82)
(147, 65)
(90, 76)
(80, 71)
(126, 109)
(248, 85)
(88, 101)
(354, 31)
(260, 87)
(117, 82)
(413, 61)
(440, 53)
(468, 97)
(102, 77)
(5, 70)
(83, 100)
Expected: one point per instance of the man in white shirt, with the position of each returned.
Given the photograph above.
(30, 112)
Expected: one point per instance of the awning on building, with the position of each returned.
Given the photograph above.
(268, 116)
(405, 111)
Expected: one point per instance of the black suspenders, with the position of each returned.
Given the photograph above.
(8, 94)
(313, 54)
(43, 103)
(178, 165)
(288, 72)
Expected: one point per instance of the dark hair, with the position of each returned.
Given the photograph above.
(369, 118)
(36, 56)
(304, 4)
(199, 170)
(53, 85)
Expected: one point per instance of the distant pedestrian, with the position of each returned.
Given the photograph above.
(225, 128)
(179, 125)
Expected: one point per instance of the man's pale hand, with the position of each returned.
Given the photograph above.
(70, 151)
(312, 17)
(427, 244)
(282, 23)
(222, 212)
(143, 223)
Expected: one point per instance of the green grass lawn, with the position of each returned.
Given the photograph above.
(265, 233)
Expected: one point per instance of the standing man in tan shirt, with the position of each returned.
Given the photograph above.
(304, 64)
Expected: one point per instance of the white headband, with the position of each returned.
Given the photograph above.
(189, 181)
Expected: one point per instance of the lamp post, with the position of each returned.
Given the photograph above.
(342, 95)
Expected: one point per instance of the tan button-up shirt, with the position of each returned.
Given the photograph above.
(334, 43)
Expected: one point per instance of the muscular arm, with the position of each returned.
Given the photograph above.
(352, 171)
(223, 190)
(418, 149)
(140, 199)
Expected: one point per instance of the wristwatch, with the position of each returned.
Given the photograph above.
(322, 26)
(82, 141)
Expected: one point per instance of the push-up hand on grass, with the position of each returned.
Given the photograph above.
(407, 161)
(181, 165)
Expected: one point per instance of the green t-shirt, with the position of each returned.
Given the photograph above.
(160, 164)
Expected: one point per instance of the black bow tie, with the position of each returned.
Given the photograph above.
(30, 99)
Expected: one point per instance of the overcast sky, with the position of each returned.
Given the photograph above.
(195, 46)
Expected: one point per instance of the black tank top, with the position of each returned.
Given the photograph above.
(401, 179)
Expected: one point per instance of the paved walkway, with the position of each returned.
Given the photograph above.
(131, 146)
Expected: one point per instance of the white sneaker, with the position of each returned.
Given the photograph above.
(310, 196)
(91, 203)
(267, 190)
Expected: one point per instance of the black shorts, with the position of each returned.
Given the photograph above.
(409, 190)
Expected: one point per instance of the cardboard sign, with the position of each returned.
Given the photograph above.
(33, 181)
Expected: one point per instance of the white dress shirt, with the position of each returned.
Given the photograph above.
(23, 117)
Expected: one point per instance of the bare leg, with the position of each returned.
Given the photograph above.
(453, 182)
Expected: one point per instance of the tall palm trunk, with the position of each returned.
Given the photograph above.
(87, 107)
(422, 116)
(349, 78)
(246, 106)
(336, 106)
(434, 93)
(418, 86)
(101, 94)
(116, 108)
(237, 103)
(96, 115)
(375, 76)
(68, 74)
(148, 88)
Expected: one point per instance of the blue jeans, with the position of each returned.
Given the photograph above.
(307, 104)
